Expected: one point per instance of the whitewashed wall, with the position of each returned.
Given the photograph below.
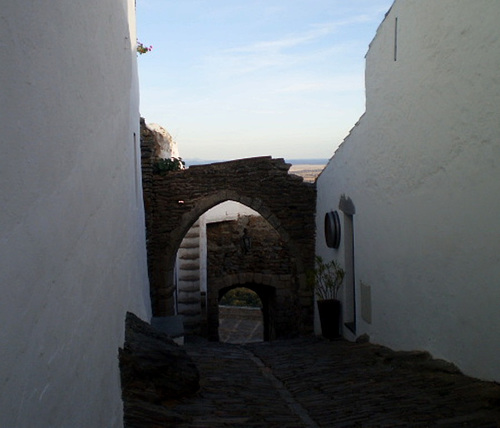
(72, 250)
(422, 168)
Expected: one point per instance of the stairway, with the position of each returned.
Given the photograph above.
(188, 280)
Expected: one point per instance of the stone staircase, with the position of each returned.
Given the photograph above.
(188, 281)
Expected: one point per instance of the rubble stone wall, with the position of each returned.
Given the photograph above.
(267, 261)
(175, 200)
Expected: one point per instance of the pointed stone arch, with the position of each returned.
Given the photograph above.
(176, 200)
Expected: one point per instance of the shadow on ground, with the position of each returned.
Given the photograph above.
(312, 382)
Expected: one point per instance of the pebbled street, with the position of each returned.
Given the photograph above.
(313, 382)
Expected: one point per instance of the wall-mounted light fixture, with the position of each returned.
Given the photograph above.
(332, 229)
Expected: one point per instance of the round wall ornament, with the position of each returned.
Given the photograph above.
(332, 229)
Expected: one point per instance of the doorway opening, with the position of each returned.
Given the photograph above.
(241, 318)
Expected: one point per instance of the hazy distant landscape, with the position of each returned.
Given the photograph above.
(309, 169)
(194, 161)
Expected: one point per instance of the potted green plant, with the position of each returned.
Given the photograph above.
(327, 279)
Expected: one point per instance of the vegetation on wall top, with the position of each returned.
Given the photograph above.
(162, 166)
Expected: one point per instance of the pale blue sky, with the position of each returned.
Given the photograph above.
(240, 78)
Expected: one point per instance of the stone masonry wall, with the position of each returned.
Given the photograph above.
(226, 255)
(267, 267)
(147, 159)
(174, 201)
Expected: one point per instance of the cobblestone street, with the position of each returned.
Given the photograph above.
(312, 382)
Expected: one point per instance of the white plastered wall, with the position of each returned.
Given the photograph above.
(72, 246)
(422, 168)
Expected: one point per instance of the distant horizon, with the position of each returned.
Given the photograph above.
(298, 161)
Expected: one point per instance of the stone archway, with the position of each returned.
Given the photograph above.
(267, 296)
(174, 202)
(243, 324)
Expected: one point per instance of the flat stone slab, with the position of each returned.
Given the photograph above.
(172, 326)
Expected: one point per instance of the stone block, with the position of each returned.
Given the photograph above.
(153, 368)
(172, 326)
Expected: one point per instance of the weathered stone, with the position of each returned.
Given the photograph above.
(437, 365)
(175, 201)
(164, 145)
(266, 267)
(364, 338)
(153, 367)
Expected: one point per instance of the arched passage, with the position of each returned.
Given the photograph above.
(241, 315)
(267, 295)
(174, 202)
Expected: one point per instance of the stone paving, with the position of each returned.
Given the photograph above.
(312, 382)
(240, 325)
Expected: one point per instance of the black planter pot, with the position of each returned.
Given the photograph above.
(330, 314)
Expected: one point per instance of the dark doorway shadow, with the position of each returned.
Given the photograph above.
(242, 320)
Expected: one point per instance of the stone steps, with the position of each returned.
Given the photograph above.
(188, 282)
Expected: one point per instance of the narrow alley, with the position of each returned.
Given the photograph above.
(312, 382)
